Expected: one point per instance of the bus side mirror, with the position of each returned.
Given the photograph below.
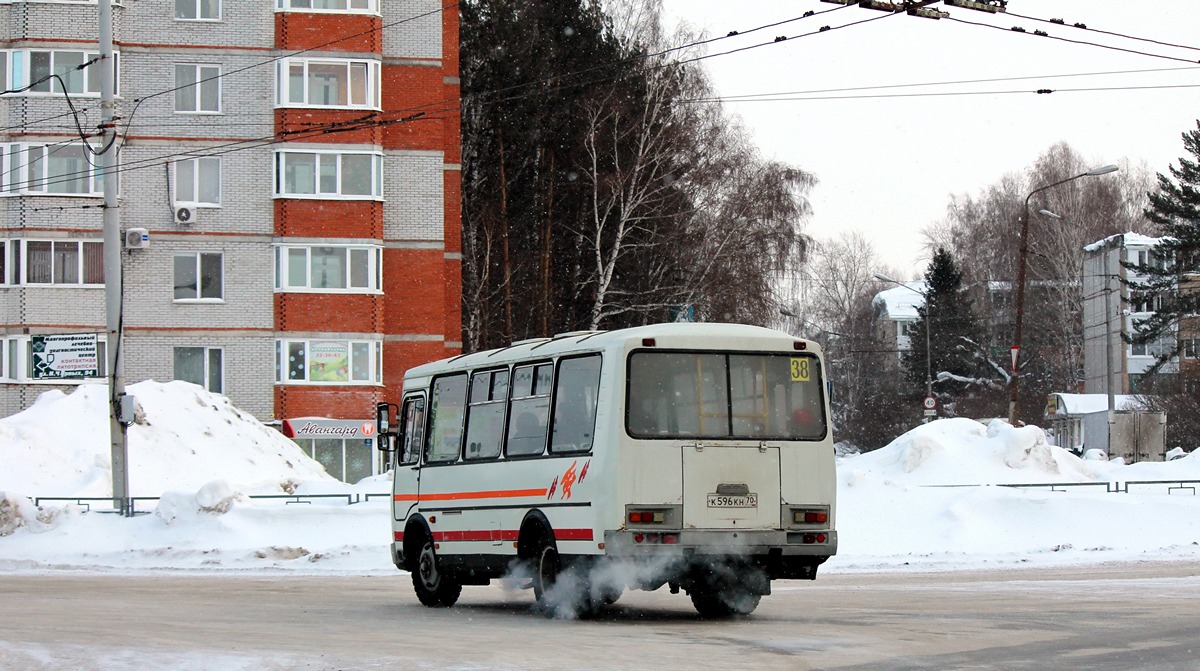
(383, 418)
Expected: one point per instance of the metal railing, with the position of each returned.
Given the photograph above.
(1112, 487)
(130, 507)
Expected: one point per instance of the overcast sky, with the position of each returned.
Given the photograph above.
(887, 159)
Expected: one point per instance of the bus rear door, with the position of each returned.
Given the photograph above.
(730, 485)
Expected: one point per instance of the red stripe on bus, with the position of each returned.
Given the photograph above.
(460, 496)
(505, 535)
(573, 534)
(484, 535)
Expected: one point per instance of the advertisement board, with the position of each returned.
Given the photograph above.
(70, 355)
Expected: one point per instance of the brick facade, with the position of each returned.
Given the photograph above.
(414, 220)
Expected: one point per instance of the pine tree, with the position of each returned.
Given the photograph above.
(594, 194)
(1175, 208)
(948, 315)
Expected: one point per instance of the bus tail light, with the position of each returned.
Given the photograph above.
(647, 517)
(810, 517)
(662, 516)
(665, 539)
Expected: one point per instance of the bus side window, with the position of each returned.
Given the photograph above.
(575, 394)
(447, 408)
(414, 431)
(530, 410)
(485, 414)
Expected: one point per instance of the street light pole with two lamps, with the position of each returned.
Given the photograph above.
(1021, 263)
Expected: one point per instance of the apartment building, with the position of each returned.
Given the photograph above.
(295, 164)
(896, 311)
(1111, 365)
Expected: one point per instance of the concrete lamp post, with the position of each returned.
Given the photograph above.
(1023, 253)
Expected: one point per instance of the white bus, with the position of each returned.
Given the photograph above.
(693, 456)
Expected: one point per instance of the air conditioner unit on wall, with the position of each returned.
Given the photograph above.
(137, 238)
(184, 214)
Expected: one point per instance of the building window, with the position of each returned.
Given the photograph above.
(64, 262)
(65, 169)
(197, 88)
(12, 353)
(349, 269)
(305, 82)
(202, 366)
(1143, 301)
(328, 361)
(1150, 258)
(198, 181)
(1164, 345)
(349, 6)
(198, 10)
(1191, 348)
(199, 276)
(57, 71)
(328, 175)
(347, 459)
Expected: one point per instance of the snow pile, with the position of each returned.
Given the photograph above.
(919, 502)
(963, 451)
(183, 438)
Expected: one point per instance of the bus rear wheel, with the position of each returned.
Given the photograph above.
(433, 587)
(546, 569)
(564, 587)
(721, 603)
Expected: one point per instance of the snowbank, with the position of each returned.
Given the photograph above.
(184, 437)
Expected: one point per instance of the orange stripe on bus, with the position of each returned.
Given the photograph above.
(459, 496)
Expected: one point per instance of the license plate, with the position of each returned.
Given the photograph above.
(723, 501)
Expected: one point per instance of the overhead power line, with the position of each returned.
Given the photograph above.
(1082, 26)
(748, 97)
(942, 94)
(1041, 34)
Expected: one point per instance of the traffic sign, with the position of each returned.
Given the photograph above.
(930, 403)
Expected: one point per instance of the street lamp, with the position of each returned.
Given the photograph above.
(1108, 346)
(805, 324)
(1021, 262)
(928, 365)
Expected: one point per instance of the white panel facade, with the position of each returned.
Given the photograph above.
(415, 196)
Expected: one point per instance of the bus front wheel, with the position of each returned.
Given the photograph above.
(433, 587)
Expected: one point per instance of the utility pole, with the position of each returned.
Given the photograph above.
(112, 264)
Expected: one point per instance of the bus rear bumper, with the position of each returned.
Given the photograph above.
(781, 554)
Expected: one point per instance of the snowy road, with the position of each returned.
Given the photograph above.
(1101, 618)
